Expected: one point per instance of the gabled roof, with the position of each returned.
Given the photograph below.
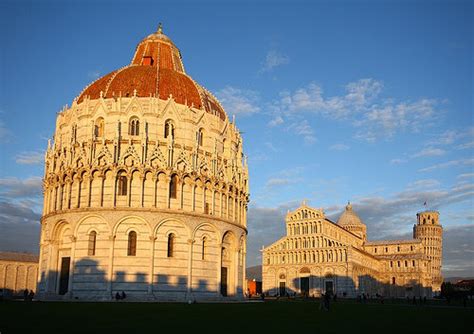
(20, 257)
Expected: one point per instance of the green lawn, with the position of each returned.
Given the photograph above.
(269, 316)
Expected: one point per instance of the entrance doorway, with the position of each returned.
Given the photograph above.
(329, 285)
(224, 281)
(304, 284)
(64, 275)
(282, 289)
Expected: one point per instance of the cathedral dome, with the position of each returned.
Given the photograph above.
(350, 221)
(156, 70)
(349, 217)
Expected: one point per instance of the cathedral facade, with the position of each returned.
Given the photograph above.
(319, 256)
(145, 188)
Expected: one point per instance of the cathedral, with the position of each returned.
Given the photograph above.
(319, 256)
(145, 189)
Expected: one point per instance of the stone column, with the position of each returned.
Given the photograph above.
(71, 266)
(101, 194)
(204, 190)
(151, 271)
(89, 192)
(129, 192)
(213, 202)
(69, 189)
(193, 196)
(142, 191)
(190, 266)
(168, 198)
(110, 273)
(155, 188)
(220, 212)
(181, 195)
(114, 189)
(53, 199)
(79, 186)
(219, 266)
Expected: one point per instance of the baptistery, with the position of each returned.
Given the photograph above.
(145, 189)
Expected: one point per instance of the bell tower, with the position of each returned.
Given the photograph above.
(430, 232)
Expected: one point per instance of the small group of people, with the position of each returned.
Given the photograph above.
(28, 295)
(420, 300)
(119, 296)
(325, 301)
(363, 298)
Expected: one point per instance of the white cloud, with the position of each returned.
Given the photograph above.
(429, 152)
(465, 146)
(238, 101)
(271, 147)
(273, 182)
(30, 158)
(278, 120)
(12, 187)
(339, 147)
(302, 128)
(373, 116)
(465, 176)
(424, 184)
(451, 163)
(20, 207)
(397, 161)
(274, 59)
(451, 136)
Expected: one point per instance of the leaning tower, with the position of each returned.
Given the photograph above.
(430, 232)
(145, 188)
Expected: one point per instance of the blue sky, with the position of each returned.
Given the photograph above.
(367, 101)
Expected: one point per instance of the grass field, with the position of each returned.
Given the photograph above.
(253, 317)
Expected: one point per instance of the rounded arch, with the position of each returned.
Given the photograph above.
(58, 229)
(131, 219)
(88, 217)
(201, 226)
(182, 225)
(229, 238)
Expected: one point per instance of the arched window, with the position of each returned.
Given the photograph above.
(92, 241)
(200, 137)
(173, 186)
(132, 244)
(122, 185)
(204, 244)
(393, 280)
(99, 127)
(169, 129)
(432, 221)
(134, 127)
(170, 245)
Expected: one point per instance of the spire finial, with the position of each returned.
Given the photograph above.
(160, 28)
(349, 205)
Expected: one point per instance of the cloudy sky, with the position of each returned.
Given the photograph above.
(365, 101)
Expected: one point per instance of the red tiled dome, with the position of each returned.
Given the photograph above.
(156, 70)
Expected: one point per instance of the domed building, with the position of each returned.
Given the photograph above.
(319, 256)
(145, 188)
(350, 221)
